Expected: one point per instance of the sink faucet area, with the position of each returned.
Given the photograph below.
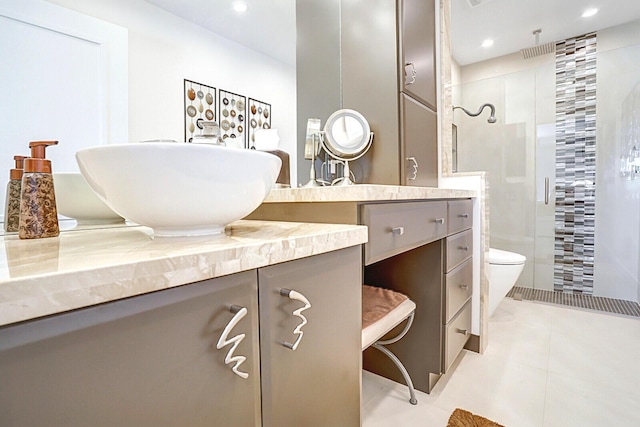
(179, 189)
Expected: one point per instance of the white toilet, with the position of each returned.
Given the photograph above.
(504, 269)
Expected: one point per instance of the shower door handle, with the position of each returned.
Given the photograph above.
(546, 190)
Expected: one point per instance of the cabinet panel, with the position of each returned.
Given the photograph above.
(459, 248)
(319, 382)
(419, 134)
(460, 215)
(397, 227)
(458, 289)
(417, 28)
(456, 335)
(144, 361)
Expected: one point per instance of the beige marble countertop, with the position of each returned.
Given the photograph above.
(86, 267)
(363, 193)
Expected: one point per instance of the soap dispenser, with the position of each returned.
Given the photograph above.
(12, 205)
(38, 212)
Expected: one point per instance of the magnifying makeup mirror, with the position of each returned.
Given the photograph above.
(347, 137)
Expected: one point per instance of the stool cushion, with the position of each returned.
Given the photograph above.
(382, 310)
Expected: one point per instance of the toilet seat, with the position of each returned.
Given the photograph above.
(500, 257)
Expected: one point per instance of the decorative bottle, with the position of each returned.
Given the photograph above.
(12, 205)
(38, 212)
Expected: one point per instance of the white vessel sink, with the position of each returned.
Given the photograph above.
(179, 189)
(75, 199)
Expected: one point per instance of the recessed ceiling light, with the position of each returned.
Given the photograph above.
(240, 6)
(589, 12)
(487, 43)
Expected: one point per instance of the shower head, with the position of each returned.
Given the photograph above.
(492, 117)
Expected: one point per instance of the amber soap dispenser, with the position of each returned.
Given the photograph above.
(38, 212)
(12, 206)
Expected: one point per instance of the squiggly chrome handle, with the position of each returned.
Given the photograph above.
(298, 313)
(239, 313)
(409, 80)
(415, 168)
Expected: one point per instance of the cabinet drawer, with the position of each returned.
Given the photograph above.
(398, 227)
(459, 248)
(456, 334)
(460, 215)
(458, 288)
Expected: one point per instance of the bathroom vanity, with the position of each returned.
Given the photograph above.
(421, 244)
(113, 327)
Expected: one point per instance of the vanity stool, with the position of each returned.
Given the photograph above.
(383, 310)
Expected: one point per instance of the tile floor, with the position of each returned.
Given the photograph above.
(545, 366)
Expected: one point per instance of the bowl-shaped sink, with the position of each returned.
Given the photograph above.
(75, 199)
(179, 189)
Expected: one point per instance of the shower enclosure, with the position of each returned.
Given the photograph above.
(519, 152)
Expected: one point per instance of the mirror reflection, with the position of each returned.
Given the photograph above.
(347, 132)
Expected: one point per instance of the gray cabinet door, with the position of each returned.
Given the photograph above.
(419, 134)
(145, 361)
(318, 384)
(418, 50)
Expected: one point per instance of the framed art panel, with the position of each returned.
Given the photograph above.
(199, 106)
(259, 118)
(233, 119)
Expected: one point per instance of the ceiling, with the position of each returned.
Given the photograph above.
(268, 26)
(510, 23)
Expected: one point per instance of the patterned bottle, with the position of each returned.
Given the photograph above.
(38, 212)
(12, 206)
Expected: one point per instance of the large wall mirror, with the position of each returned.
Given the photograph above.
(64, 77)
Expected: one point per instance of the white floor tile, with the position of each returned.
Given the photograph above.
(572, 402)
(503, 390)
(524, 336)
(545, 366)
(390, 406)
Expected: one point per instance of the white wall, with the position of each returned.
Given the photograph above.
(165, 49)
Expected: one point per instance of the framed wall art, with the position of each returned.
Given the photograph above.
(199, 106)
(259, 115)
(233, 119)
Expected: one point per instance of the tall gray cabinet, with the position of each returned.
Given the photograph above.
(386, 72)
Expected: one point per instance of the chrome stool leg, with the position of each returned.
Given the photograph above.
(380, 346)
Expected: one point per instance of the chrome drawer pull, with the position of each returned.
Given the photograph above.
(462, 331)
(297, 296)
(398, 231)
(463, 216)
(464, 287)
(463, 248)
(439, 221)
(239, 313)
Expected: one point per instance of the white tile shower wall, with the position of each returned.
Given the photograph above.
(165, 49)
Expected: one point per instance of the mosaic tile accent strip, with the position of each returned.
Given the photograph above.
(607, 305)
(575, 164)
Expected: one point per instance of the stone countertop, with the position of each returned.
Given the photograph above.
(364, 193)
(82, 268)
